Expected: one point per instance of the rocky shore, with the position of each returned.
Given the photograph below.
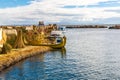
(16, 55)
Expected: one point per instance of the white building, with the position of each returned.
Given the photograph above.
(1, 42)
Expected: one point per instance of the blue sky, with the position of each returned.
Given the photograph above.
(60, 12)
(13, 3)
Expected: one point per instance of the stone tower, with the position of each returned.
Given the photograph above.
(41, 23)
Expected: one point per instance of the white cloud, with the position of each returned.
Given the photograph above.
(70, 2)
(53, 11)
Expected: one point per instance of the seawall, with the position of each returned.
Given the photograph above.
(16, 55)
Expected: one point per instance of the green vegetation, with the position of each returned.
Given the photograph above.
(6, 48)
(11, 39)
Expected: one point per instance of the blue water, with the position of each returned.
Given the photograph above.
(90, 54)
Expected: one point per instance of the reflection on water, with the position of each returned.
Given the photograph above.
(34, 68)
(90, 54)
(61, 51)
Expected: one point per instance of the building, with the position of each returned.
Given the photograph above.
(41, 23)
(1, 42)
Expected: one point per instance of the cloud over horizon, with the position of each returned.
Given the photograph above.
(63, 12)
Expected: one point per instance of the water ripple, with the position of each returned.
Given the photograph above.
(91, 54)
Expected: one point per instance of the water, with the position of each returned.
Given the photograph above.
(90, 54)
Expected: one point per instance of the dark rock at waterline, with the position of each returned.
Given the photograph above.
(115, 27)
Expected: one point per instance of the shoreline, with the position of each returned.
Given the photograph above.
(16, 55)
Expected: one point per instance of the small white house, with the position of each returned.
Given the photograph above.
(1, 42)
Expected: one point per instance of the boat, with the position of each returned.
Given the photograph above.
(62, 28)
(55, 46)
(57, 38)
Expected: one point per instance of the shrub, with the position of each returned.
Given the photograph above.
(11, 39)
(6, 48)
(0, 50)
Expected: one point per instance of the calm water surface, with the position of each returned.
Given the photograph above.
(90, 54)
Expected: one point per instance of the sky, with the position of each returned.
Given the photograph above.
(24, 12)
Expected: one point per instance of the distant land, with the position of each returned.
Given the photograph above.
(92, 26)
(77, 25)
